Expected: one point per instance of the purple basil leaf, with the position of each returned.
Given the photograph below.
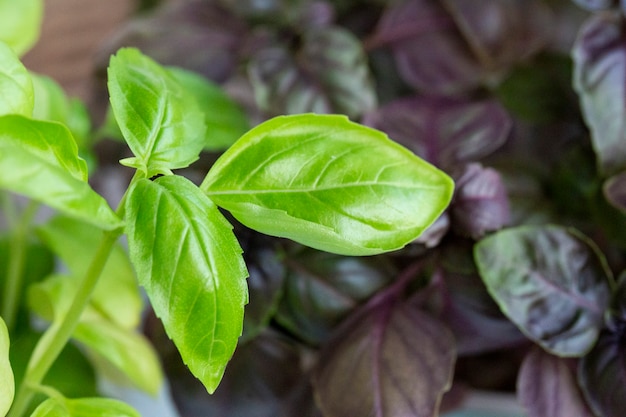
(393, 361)
(435, 232)
(616, 320)
(444, 131)
(594, 5)
(503, 32)
(321, 289)
(480, 203)
(430, 53)
(196, 35)
(328, 74)
(547, 386)
(602, 375)
(599, 67)
(615, 191)
(551, 281)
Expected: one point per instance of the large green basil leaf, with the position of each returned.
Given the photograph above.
(159, 119)
(190, 263)
(16, 86)
(20, 23)
(328, 183)
(75, 242)
(40, 160)
(551, 281)
(84, 407)
(7, 387)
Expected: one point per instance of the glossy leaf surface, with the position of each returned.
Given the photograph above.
(312, 178)
(550, 281)
(599, 65)
(547, 386)
(16, 86)
(224, 119)
(7, 387)
(84, 407)
(160, 119)
(388, 364)
(602, 375)
(20, 23)
(190, 263)
(40, 160)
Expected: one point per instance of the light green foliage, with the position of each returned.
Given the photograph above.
(40, 160)
(7, 388)
(16, 86)
(328, 183)
(20, 21)
(84, 407)
(159, 119)
(190, 264)
(224, 118)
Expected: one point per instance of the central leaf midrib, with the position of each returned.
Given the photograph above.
(316, 189)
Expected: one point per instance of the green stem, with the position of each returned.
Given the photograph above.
(15, 268)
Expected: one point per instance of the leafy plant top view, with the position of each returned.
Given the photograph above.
(324, 209)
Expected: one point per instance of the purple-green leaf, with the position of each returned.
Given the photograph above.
(394, 361)
(551, 281)
(547, 386)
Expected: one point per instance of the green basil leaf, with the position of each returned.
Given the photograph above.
(224, 118)
(328, 183)
(20, 23)
(16, 86)
(159, 119)
(84, 407)
(75, 242)
(7, 387)
(190, 263)
(552, 282)
(40, 160)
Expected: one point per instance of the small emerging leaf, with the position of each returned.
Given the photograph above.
(16, 86)
(190, 263)
(7, 387)
(552, 282)
(84, 407)
(20, 23)
(314, 179)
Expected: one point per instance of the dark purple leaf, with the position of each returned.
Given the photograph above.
(389, 362)
(480, 203)
(615, 191)
(551, 281)
(594, 5)
(602, 375)
(321, 289)
(599, 67)
(547, 386)
(502, 32)
(435, 232)
(444, 131)
(429, 50)
(328, 74)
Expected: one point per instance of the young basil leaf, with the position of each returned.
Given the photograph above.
(84, 407)
(159, 119)
(40, 160)
(551, 281)
(20, 23)
(7, 387)
(16, 86)
(75, 242)
(224, 118)
(388, 363)
(314, 179)
(547, 386)
(190, 263)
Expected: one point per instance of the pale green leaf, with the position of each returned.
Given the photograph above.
(7, 387)
(224, 118)
(20, 23)
(40, 160)
(159, 119)
(75, 242)
(16, 86)
(328, 183)
(190, 263)
(84, 407)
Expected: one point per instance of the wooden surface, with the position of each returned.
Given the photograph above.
(72, 31)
